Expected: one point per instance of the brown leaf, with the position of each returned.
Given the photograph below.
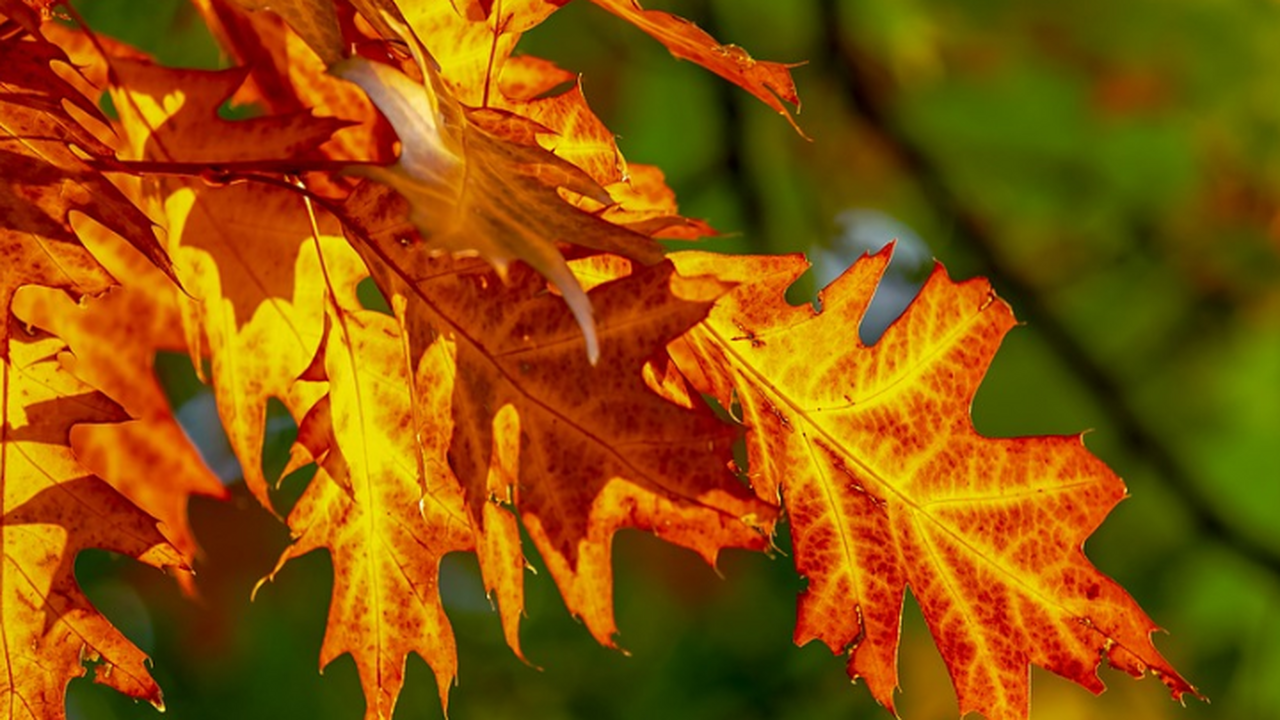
(585, 450)
(476, 184)
(115, 338)
(315, 21)
(287, 77)
(248, 255)
(769, 81)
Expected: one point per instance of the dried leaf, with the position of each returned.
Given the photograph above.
(473, 186)
(315, 21)
(44, 177)
(114, 338)
(256, 307)
(769, 81)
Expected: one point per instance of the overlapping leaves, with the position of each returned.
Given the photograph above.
(501, 395)
(51, 506)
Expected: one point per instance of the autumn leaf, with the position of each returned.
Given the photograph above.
(552, 387)
(23, 13)
(287, 77)
(645, 204)
(45, 178)
(256, 308)
(491, 162)
(473, 47)
(115, 337)
(385, 504)
(770, 82)
(582, 450)
(887, 485)
(477, 182)
(52, 509)
(316, 22)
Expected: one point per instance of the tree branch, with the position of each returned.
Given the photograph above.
(868, 89)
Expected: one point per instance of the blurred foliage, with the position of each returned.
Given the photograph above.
(1114, 168)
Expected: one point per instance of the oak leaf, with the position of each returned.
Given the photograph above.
(770, 82)
(286, 76)
(477, 182)
(384, 503)
(50, 509)
(578, 451)
(314, 21)
(256, 307)
(114, 338)
(887, 485)
(473, 47)
(45, 177)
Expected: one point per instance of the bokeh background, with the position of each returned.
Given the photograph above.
(1113, 168)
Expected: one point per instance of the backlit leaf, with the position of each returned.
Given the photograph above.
(592, 448)
(43, 179)
(114, 338)
(769, 81)
(477, 182)
(888, 485)
(51, 509)
(386, 513)
(256, 307)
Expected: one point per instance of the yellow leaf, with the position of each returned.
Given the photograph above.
(368, 506)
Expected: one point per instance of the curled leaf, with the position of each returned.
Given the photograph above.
(478, 183)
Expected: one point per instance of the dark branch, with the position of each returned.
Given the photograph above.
(868, 89)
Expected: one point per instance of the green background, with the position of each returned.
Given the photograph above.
(1113, 168)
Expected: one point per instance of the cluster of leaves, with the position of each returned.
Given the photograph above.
(557, 384)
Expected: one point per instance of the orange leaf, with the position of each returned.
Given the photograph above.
(257, 306)
(463, 60)
(171, 114)
(471, 47)
(769, 81)
(368, 507)
(115, 337)
(51, 509)
(473, 50)
(314, 21)
(888, 485)
(580, 451)
(43, 179)
(645, 204)
(286, 76)
(476, 182)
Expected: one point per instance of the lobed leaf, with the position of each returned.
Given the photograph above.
(385, 505)
(588, 449)
(50, 509)
(770, 82)
(115, 337)
(44, 177)
(256, 306)
(888, 485)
